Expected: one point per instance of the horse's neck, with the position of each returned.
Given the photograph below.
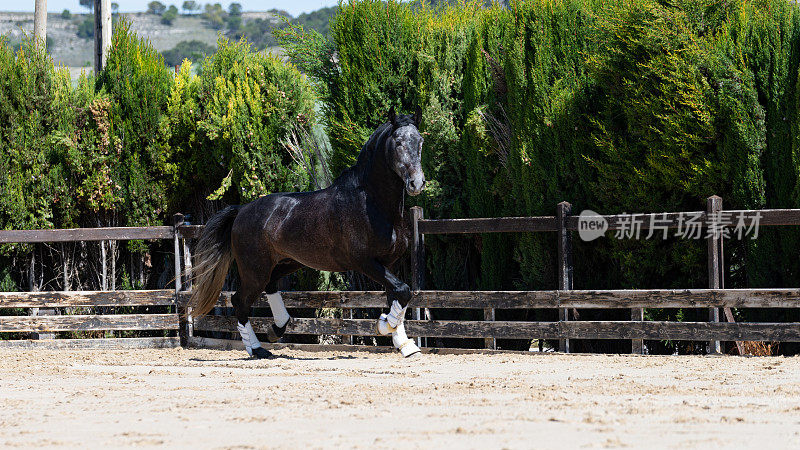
(386, 188)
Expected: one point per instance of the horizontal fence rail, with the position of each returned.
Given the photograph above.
(650, 298)
(162, 297)
(690, 298)
(764, 217)
(697, 331)
(86, 234)
(95, 322)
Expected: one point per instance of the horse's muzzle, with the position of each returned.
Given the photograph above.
(415, 185)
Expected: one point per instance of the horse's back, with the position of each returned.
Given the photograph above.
(300, 226)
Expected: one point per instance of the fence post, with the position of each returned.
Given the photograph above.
(563, 210)
(417, 260)
(714, 206)
(187, 269)
(104, 266)
(183, 326)
(637, 345)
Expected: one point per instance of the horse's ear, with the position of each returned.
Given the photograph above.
(392, 116)
(417, 115)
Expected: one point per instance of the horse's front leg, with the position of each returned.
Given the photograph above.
(398, 295)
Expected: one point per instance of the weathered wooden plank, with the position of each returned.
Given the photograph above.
(190, 231)
(86, 234)
(104, 343)
(236, 344)
(766, 217)
(643, 221)
(488, 225)
(694, 331)
(715, 272)
(563, 211)
(637, 345)
(56, 299)
(89, 322)
(648, 298)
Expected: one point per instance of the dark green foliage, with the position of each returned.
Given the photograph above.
(268, 33)
(234, 19)
(258, 32)
(190, 6)
(230, 124)
(157, 8)
(139, 85)
(169, 15)
(124, 149)
(639, 106)
(318, 20)
(192, 50)
(66, 14)
(86, 27)
(215, 16)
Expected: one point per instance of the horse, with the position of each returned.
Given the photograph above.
(357, 223)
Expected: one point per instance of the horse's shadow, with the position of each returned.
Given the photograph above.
(276, 357)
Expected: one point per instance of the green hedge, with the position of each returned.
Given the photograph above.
(643, 106)
(138, 142)
(634, 106)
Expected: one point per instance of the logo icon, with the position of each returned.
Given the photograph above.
(591, 225)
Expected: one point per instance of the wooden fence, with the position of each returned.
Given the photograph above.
(563, 298)
(92, 312)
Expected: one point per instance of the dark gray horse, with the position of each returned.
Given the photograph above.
(355, 224)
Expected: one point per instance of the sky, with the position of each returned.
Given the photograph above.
(294, 7)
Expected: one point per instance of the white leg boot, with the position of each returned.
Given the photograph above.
(281, 316)
(387, 323)
(250, 341)
(402, 342)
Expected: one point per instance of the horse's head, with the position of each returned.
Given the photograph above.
(404, 150)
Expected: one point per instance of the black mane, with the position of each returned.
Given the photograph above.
(366, 157)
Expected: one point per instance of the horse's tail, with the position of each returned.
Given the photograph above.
(212, 261)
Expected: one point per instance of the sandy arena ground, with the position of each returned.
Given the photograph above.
(216, 399)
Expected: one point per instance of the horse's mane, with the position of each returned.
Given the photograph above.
(366, 157)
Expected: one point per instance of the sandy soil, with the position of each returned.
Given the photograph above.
(216, 399)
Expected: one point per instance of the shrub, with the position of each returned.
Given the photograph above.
(138, 84)
(192, 50)
(157, 8)
(230, 125)
(86, 27)
(618, 107)
(169, 15)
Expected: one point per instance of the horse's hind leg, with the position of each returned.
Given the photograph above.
(242, 301)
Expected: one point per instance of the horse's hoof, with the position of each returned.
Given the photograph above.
(415, 355)
(409, 349)
(383, 328)
(262, 353)
(275, 333)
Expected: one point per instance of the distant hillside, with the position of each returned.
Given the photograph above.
(194, 33)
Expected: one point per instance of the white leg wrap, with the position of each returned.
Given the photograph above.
(249, 338)
(396, 314)
(387, 323)
(401, 342)
(279, 311)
